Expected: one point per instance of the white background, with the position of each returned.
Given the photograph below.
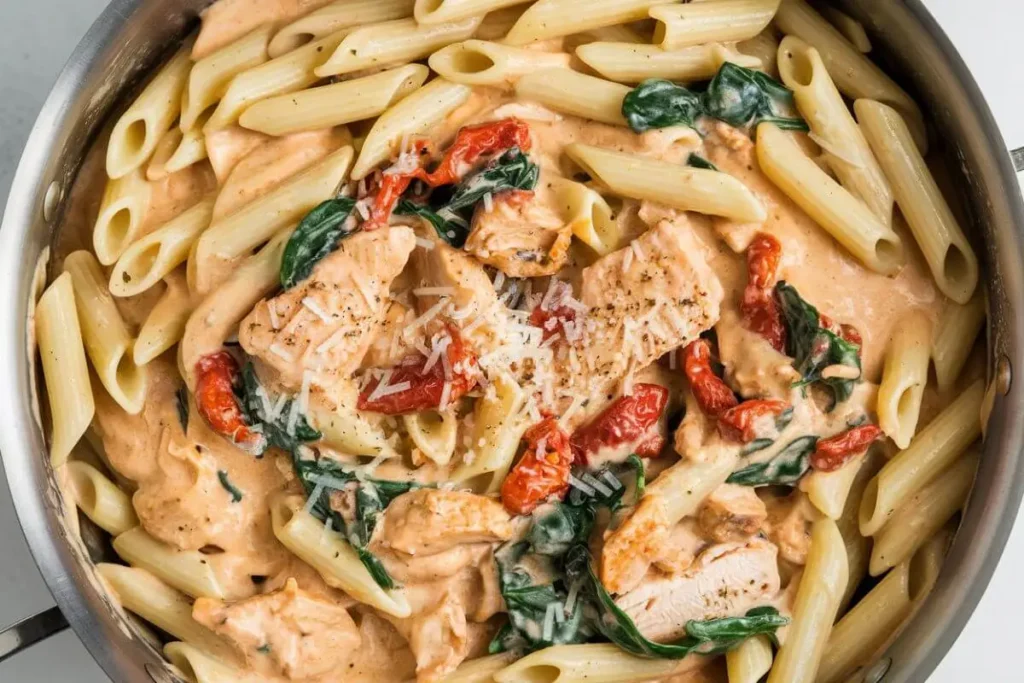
(39, 35)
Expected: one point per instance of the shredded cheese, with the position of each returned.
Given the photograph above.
(275, 323)
(280, 351)
(434, 291)
(587, 489)
(424, 243)
(314, 308)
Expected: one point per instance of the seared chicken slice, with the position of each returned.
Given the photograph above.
(287, 632)
(520, 236)
(428, 521)
(726, 580)
(731, 513)
(326, 323)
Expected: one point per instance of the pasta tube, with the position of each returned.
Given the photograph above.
(904, 379)
(681, 187)
(479, 670)
(165, 324)
(841, 214)
(817, 602)
(749, 662)
(499, 423)
(684, 25)
(931, 451)
(62, 352)
(923, 515)
(336, 104)
(480, 62)
(428, 12)
(943, 243)
(201, 667)
(393, 42)
(433, 433)
(574, 93)
(833, 127)
(100, 499)
(210, 76)
(137, 132)
(106, 336)
(632, 63)
(343, 14)
(590, 216)
(555, 18)
(851, 29)
(954, 337)
(594, 663)
(122, 211)
(186, 570)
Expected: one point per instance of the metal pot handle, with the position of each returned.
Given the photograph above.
(1017, 156)
(30, 631)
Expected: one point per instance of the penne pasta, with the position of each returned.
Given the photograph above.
(764, 47)
(107, 340)
(828, 491)
(434, 434)
(100, 499)
(923, 515)
(346, 430)
(632, 63)
(288, 73)
(574, 93)
(210, 76)
(590, 216)
(833, 127)
(858, 548)
(943, 243)
(429, 12)
(151, 258)
(165, 324)
(392, 43)
(185, 570)
(855, 75)
(331, 556)
(684, 486)
(137, 132)
(336, 104)
(841, 214)
(480, 670)
(225, 21)
(555, 18)
(817, 601)
(681, 187)
(142, 593)
(954, 337)
(499, 423)
(932, 450)
(479, 62)
(256, 222)
(344, 14)
(201, 667)
(688, 24)
(122, 212)
(593, 663)
(851, 29)
(497, 24)
(415, 115)
(62, 352)
(750, 661)
(904, 378)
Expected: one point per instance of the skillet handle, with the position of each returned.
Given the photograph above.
(1017, 155)
(30, 631)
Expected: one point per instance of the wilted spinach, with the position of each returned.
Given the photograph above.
(814, 347)
(317, 236)
(254, 401)
(697, 161)
(785, 469)
(657, 103)
(452, 232)
(236, 493)
(181, 403)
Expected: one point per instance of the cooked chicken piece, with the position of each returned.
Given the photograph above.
(428, 521)
(731, 513)
(682, 545)
(643, 300)
(629, 550)
(287, 632)
(727, 580)
(326, 323)
(522, 237)
(789, 525)
(391, 345)
(472, 295)
(438, 639)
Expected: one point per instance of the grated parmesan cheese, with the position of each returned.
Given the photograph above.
(307, 378)
(488, 203)
(275, 323)
(331, 341)
(446, 393)
(637, 250)
(587, 489)
(315, 309)
(434, 291)
(424, 243)
(280, 351)
(429, 314)
(313, 498)
(597, 484)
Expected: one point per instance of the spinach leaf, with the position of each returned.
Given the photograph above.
(320, 477)
(814, 347)
(657, 103)
(236, 493)
(785, 469)
(697, 161)
(712, 636)
(513, 170)
(317, 236)
(454, 232)
(255, 400)
(744, 97)
(181, 403)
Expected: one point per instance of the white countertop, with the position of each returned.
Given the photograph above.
(41, 34)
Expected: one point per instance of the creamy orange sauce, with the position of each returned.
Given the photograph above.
(680, 275)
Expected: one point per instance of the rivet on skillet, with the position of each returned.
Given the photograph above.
(50, 201)
(1004, 375)
(878, 670)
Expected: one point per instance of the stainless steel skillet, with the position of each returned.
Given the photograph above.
(133, 35)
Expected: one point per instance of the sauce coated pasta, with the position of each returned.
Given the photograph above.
(443, 357)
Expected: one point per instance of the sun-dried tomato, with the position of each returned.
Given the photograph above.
(216, 378)
(553, 320)
(713, 395)
(629, 420)
(542, 472)
(425, 387)
(474, 142)
(761, 312)
(834, 452)
(740, 422)
(847, 332)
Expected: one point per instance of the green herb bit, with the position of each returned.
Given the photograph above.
(254, 398)
(785, 469)
(181, 403)
(745, 97)
(317, 235)
(697, 161)
(236, 493)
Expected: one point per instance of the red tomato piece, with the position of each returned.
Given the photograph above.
(542, 472)
(217, 375)
(847, 332)
(836, 451)
(552, 320)
(761, 312)
(739, 423)
(392, 186)
(425, 386)
(474, 142)
(629, 420)
(713, 394)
